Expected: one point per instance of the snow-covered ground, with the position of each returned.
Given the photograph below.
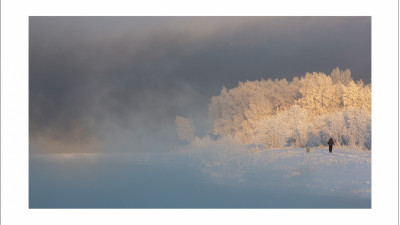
(204, 176)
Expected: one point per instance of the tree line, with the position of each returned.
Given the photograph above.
(303, 112)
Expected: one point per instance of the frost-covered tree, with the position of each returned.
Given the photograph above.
(331, 126)
(235, 112)
(291, 126)
(341, 76)
(319, 95)
(271, 132)
(349, 127)
(185, 128)
(227, 112)
(298, 124)
(358, 127)
(357, 95)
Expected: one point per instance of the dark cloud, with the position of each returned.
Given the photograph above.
(122, 80)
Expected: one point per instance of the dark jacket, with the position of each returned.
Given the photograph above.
(330, 142)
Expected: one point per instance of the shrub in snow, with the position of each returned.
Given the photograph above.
(185, 128)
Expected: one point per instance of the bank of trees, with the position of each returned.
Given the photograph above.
(303, 112)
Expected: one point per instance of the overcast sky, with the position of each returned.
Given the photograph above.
(117, 83)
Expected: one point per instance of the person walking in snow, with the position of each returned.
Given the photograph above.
(330, 143)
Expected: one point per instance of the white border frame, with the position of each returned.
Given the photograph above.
(14, 110)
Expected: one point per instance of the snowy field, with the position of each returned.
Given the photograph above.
(209, 176)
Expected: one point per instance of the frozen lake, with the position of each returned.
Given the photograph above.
(203, 177)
